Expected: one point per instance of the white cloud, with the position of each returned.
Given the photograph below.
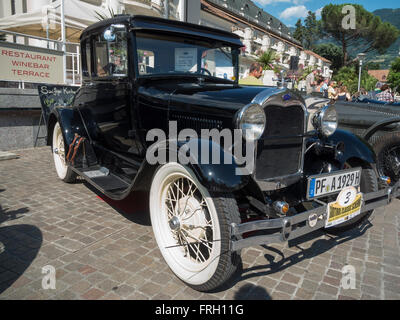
(294, 12)
(318, 12)
(265, 2)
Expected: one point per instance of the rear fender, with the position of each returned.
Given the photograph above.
(378, 126)
(70, 123)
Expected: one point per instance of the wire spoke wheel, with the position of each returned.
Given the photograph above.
(391, 162)
(189, 219)
(192, 227)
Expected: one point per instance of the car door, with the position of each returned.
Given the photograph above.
(106, 98)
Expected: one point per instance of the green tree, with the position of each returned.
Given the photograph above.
(394, 74)
(299, 33)
(311, 30)
(331, 52)
(267, 59)
(370, 33)
(372, 66)
(348, 76)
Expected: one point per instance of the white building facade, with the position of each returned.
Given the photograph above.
(258, 30)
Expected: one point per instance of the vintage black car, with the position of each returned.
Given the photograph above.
(142, 73)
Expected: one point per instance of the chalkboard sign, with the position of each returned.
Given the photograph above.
(53, 95)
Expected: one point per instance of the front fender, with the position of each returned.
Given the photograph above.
(222, 176)
(354, 147)
(70, 123)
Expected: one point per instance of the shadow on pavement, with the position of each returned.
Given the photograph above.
(251, 292)
(7, 215)
(318, 247)
(135, 207)
(19, 245)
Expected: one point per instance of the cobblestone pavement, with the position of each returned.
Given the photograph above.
(100, 251)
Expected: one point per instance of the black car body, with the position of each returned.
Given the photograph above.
(102, 137)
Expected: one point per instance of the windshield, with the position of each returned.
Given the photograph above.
(166, 55)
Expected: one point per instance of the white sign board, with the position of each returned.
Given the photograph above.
(186, 59)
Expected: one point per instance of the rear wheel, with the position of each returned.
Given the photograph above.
(368, 183)
(192, 227)
(64, 172)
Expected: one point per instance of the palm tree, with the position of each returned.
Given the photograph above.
(266, 59)
(101, 16)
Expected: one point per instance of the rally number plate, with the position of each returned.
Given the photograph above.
(347, 205)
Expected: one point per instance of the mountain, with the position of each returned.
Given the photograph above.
(387, 15)
(392, 16)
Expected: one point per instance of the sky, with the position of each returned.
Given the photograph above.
(289, 11)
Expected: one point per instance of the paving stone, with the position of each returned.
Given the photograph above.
(93, 294)
(99, 253)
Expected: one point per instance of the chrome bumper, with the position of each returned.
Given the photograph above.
(293, 227)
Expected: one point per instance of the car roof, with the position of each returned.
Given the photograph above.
(140, 22)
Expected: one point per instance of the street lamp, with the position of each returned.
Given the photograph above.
(360, 57)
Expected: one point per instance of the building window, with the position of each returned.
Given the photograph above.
(24, 6)
(13, 7)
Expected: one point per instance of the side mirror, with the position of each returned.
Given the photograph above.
(109, 34)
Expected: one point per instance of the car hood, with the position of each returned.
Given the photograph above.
(210, 96)
(217, 96)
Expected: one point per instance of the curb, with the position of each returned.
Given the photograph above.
(7, 156)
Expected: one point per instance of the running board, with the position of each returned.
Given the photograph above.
(102, 179)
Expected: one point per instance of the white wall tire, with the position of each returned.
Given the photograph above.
(191, 227)
(58, 149)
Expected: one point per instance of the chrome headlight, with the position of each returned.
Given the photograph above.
(251, 120)
(325, 121)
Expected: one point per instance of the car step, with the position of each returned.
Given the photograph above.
(103, 179)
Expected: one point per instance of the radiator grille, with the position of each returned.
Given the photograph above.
(279, 151)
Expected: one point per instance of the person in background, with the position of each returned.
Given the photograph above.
(318, 88)
(331, 90)
(310, 82)
(385, 94)
(343, 94)
(254, 77)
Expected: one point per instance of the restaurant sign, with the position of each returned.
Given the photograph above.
(30, 64)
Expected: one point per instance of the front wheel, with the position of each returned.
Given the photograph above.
(191, 226)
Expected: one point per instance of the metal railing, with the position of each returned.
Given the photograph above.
(73, 66)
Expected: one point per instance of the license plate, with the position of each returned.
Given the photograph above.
(347, 206)
(325, 184)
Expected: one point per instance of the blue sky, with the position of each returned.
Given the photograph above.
(288, 11)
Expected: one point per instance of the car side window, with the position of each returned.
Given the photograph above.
(86, 60)
(111, 57)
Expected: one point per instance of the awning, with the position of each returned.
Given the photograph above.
(78, 15)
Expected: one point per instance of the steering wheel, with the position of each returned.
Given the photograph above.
(204, 70)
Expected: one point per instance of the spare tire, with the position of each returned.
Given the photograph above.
(387, 149)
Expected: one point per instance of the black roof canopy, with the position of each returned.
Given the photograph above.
(139, 22)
